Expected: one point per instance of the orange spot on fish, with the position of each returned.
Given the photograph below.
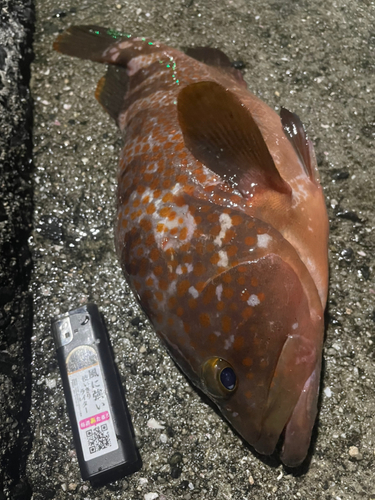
(226, 324)
(228, 292)
(180, 311)
(165, 211)
(183, 287)
(199, 269)
(248, 394)
(213, 217)
(238, 342)
(150, 209)
(172, 302)
(192, 303)
(247, 313)
(220, 305)
(215, 259)
(250, 241)
(254, 281)
(241, 280)
(227, 278)
(204, 320)
(237, 220)
(247, 361)
(154, 254)
(261, 296)
(167, 197)
(209, 294)
(150, 240)
(158, 270)
(232, 251)
(182, 179)
(229, 235)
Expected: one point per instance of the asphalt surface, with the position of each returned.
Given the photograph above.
(315, 58)
(16, 210)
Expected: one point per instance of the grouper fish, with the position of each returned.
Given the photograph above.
(221, 230)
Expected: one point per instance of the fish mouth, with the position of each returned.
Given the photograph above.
(297, 435)
(292, 402)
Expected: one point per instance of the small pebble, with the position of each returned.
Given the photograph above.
(354, 453)
(154, 424)
(151, 496)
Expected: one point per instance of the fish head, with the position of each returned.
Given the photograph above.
(260, 360)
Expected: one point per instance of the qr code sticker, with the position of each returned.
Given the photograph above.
(98, 438)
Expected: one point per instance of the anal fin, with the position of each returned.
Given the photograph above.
(111, 90)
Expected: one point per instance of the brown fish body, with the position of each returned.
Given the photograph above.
(222, 231)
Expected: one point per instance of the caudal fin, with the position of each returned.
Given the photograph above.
(87, 42)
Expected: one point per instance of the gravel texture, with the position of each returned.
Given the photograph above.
(315, 58)
(16, 26)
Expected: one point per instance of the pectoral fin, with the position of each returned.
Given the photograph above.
(221, 133)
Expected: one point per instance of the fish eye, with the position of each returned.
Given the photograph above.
(228, 378)
(219, 377)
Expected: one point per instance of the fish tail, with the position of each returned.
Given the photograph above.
(114, 48)
(87, 42)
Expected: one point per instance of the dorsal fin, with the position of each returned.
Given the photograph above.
(210, 56)
(221, 133)
(216, 58)
(295, 132)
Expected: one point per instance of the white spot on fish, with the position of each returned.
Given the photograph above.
(142, 61)
(219, 290)
(263, 240)
(253, 300)
(223, 262)
(193, 291)
(226, 223)
(295, 326)
(124, 45)
(228, 342)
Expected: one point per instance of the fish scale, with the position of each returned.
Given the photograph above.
(221, 230)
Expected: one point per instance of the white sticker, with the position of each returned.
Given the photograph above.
(90, 401)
